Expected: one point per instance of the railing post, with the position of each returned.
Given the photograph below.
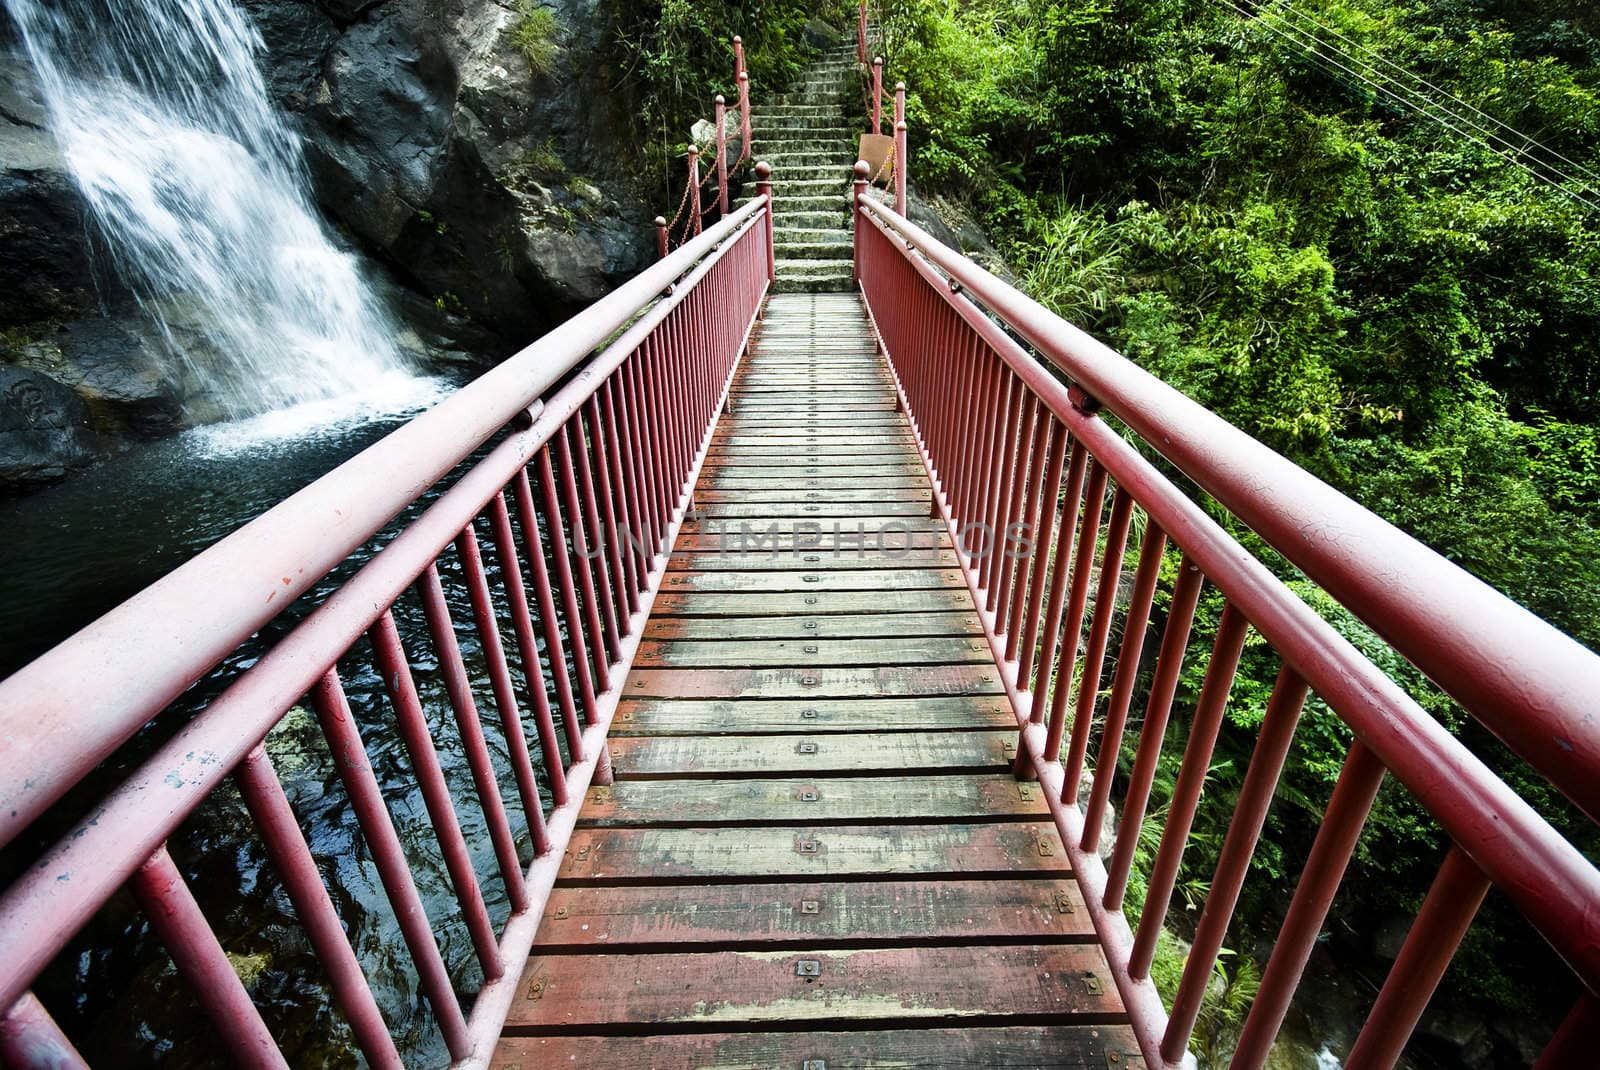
(661, 237)
(901, 163)
(738, 56)
(721, 112)
(900, 167)
(863, 171)
(877, 95)
(861, 34)
(694, 188)
(746, 149)
(764, 189)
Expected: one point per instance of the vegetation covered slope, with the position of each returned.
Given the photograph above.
(1233, 195)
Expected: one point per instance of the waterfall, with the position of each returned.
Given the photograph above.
(200, 192)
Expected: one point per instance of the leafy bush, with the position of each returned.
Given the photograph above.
(534, 35)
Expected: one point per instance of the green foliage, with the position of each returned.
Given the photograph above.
(1387, 302)
(534, 35)
(672, 57)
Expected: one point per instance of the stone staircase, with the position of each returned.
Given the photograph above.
(810, 142)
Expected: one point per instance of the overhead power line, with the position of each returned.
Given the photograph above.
(1332, 60)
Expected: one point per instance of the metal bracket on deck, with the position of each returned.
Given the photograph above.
(808, 968)
(810, 906)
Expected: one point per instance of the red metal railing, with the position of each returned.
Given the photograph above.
(1005, 442)
(597, 475)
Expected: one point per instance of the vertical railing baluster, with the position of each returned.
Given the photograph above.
(476, 749)
(1191, 782)
(388, 857)
(30, 1039)
(1014, 596)
(566, 585)
(578, 550)
(1005, 420)
(544, 595)
(597, 542)
(1158, 707)
(1049, 501)
(1050, 627)
(1015, 441)
(1099, 632)
(614, 507)
(164, 896)
(494, 653)
(532, 668)
(1446, 915)
(291, 859)
(1071, 628)
(1244, 830)
(418, 739)
(1127, 674)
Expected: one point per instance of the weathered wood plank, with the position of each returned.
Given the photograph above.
(812, 800)
(1056, 1047)
(673, 603)
(854, 626)
(821, 580)
(882, 681)
(880, 912)
(1005, 849)
(671, 717)
(735, 509)
(773, 653)
(801, 536)
(826, 530)
(1069, 982)
(907, 753)
(751, 556)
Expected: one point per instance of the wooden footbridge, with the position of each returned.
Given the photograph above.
(801, 664)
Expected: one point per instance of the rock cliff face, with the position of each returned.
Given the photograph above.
(464, 146)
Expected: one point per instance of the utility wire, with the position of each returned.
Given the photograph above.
(1542, 171)
(1528, 139)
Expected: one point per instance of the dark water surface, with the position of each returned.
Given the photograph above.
(74, 551)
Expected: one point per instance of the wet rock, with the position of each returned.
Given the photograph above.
(43, 430)
(500, 193)
(47, 269)
(128, 385)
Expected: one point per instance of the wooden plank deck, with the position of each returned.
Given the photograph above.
(815, 854)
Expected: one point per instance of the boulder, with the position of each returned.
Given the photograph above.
(43, 430)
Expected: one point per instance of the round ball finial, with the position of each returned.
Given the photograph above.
(720, 100)
(899, 87)
(863, 170)
(694, 150)
(877, 61)
(744, 76)
(763, 171)
(661, 220)
(901, 125)
(738, 40)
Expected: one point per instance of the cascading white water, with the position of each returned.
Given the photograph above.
(201, 193)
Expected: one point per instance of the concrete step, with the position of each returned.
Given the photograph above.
(787, 146)
(794, 277)
(841, 250)
(835, 218)
(808, 235)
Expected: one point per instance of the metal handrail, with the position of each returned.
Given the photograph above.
(953, 362)
(1529, 683)
(616, 450)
